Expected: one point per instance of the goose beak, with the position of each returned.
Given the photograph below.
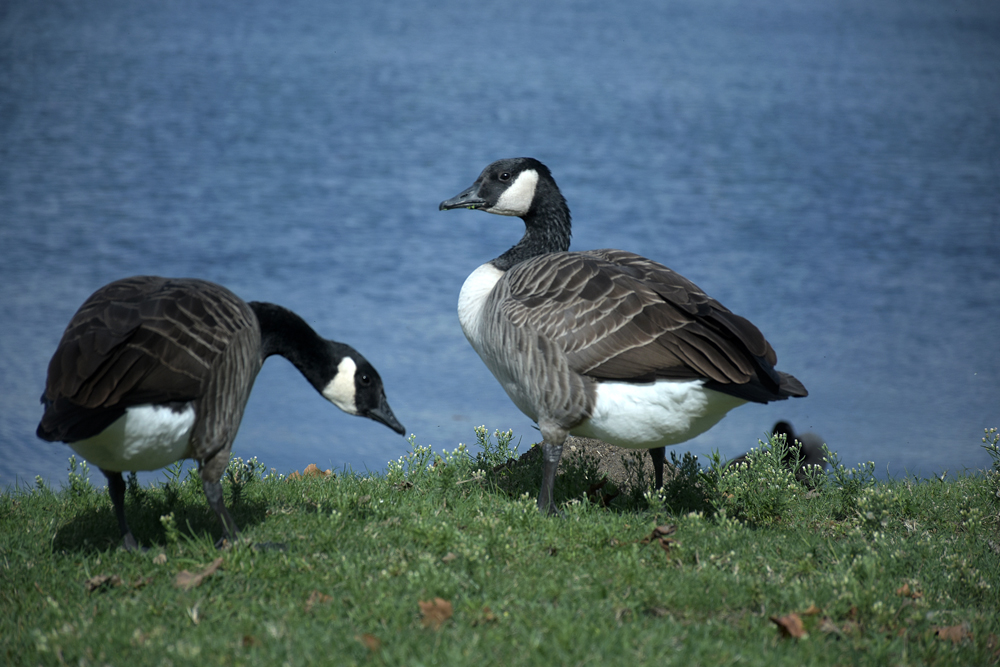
(466, 199)
(383, 415)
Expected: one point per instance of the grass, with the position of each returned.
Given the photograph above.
(444, 560)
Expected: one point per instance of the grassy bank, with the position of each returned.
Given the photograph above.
(444, 560)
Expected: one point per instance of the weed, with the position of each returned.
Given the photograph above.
(760, 489)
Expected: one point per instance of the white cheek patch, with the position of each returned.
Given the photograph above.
(340, 390)
(516, 200)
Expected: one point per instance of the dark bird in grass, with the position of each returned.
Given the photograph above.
(602, 343)
(151, 370)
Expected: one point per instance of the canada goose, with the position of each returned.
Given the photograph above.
(152, 370)
(807, 448)
(602, 343)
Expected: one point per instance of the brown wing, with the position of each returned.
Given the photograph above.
(619, 316)
(139, 340)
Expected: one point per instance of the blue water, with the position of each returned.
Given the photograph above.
(829, 170)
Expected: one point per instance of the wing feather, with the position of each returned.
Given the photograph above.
(620, 316)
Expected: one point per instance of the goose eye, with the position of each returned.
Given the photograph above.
(365, 380)
(504, 176)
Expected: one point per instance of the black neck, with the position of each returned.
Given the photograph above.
(285, 333)
(547, 227)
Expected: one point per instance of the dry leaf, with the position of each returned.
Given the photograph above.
(103, 581)
(953, 633)
(141, 581)
(316, 598)
(448, 557)
(371, 641)
(313, 471)
(250, 640)
(789, 626)
(160, 559)
(435, 612)
(187, 580)
(811, 611)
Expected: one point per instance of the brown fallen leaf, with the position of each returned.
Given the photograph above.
(160, 559)
(811, 611)
(435, 612)
(250, 640)
(448, 557)
(141, 581)
(316, 598)
(904, 591)
(789, 626)
(312, 470)
(372, 642)
(953, 633)
(187, 580)
(102, 581)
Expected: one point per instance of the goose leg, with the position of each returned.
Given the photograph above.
(550, 463)
(657, 454)
(116, 489)
(213, 492)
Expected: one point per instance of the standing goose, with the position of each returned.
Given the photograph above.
(152, 370)
(604, 343)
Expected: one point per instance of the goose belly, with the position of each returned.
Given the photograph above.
(146, 437)
(665, 412)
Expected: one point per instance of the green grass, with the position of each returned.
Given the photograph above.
(881, 573)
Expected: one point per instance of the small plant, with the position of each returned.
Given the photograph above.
(240, 473)
(850, 483)
(490, 455)
(169, 523)
(79, 482)
(759, 489)
(686, 487)
(991, 443)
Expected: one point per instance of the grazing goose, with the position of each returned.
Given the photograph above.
(604, 343)
(152, 370)
(807, 448)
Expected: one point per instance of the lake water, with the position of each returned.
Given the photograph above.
(829, 170)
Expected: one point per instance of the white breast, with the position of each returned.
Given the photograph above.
(656, 414)
(146, 437)
(472, 300)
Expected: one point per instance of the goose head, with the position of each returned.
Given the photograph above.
(353, 385)
(506, 187)
(521, 187)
